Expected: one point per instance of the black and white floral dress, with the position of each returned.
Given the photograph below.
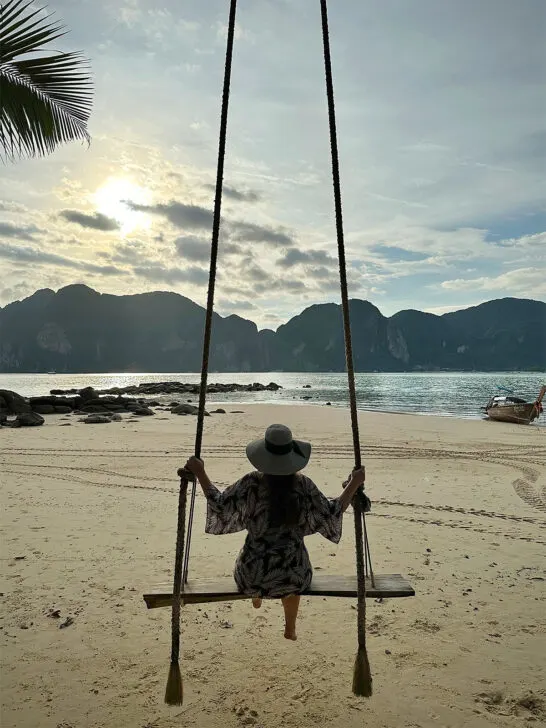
(273, 562)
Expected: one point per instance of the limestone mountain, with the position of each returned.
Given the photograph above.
(77, 329)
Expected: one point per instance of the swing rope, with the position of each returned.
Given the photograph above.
(362, 681)
(174, 690)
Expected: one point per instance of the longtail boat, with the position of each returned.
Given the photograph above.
(514, 409)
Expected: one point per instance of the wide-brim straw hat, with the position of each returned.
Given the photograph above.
(278, 453)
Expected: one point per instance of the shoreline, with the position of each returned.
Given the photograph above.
(453, 397)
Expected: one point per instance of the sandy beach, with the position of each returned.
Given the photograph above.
(88, 525)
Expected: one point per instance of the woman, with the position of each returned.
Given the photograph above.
(278, 506)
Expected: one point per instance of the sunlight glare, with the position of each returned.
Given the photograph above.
(111, 200)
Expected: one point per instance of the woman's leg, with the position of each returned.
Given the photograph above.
(291, 606)
(256, 602)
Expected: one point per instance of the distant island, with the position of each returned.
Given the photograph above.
(77, 329)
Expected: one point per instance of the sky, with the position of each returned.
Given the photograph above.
(441, 116)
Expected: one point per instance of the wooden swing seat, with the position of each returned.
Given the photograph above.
(202, 591)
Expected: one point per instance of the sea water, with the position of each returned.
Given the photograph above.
(455, 394)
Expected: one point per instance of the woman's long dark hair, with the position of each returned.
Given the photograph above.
(284, 503)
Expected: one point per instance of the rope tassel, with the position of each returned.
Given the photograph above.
(362, 676)
(174, 694)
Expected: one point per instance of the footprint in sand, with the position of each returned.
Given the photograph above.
(246, 715)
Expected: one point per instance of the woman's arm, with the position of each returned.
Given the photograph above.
(356, 480)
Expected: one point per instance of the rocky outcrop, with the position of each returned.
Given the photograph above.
(96, 404)
(165, 388)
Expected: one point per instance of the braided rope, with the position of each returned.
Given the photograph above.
(361, 536)
(181, 569)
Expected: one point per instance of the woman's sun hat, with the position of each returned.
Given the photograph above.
(278, 453)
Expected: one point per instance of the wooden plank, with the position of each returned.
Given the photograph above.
(198, 591)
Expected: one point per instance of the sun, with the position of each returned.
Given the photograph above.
(112, 198)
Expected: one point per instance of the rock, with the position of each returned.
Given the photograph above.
(62, 409)
(88, 393)
(3, 417)
(184, 409)
(116, 417)
(155, 388)
(96, 420)
(328, 404)
(67, 622)
(93, 408)
(143, 412)
(44, 409)
(219, 411)
(307, 397)
(174, 404)
(14, 403)
(306, 386)
(55, 401)
(26, 419)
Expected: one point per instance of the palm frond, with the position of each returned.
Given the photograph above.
(45, 100)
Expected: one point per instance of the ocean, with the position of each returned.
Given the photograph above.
(449, 394)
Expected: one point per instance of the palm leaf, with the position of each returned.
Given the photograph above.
(45, 100)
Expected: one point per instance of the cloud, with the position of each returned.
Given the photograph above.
(254, 272)
(159, 273)
(227, 305)
(274, 285)
(393, 252)
(21, 232)
(231, 248)
(193, 217)
(253, 233)
(96, 221)
(233, 193)
(130, 253)
(321, 273)
(192, 248)
(9, 206)
(24, 254)
(524, 281)
(295, 256)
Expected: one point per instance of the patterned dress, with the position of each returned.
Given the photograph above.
(273, 562)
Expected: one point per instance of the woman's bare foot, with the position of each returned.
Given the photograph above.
(290, 635)
(257, 602)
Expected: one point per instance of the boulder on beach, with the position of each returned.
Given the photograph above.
(13, 403)
(143, 411)
(88, 393)
(25, 419)
(96, 420)
(44, 409)
(186, 409)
